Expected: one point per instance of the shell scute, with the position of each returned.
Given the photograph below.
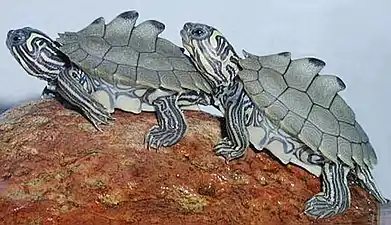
(124, 54)
(296, 101)
(95, 29)
(118, 31)
(323, 89)
(278, 62)
(292, 123)
(272, 82)
(144, 36)
(154, 61)
(316, 114)
(301, 72)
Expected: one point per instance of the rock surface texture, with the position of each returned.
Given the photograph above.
(55, 168)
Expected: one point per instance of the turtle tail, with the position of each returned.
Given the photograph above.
(368, 182)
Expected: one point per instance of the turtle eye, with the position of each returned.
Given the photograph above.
(16, 38)
(198, 32)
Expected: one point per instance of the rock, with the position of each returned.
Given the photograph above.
(55, 168)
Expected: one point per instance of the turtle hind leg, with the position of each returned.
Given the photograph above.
(335, 195)
(368, 182)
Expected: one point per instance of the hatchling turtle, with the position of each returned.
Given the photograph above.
(284, 105)
(116, 65)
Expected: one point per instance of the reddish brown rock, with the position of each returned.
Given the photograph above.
(55, 168)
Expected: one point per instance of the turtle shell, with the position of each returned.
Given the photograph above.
(307, 106)
(130, 56)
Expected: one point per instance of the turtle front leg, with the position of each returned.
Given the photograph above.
(335, 195)
(73, 92)
(235, 144)
(172, 124)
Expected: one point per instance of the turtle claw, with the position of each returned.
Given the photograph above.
(228, 150)
(49, 91)
(99, 115)
(148, 143)
(98, 122)
(160, 137)
(150, 140)
(320, 207)
(46, 96)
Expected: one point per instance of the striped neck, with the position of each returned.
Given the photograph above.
(75, 77)
(79, 76)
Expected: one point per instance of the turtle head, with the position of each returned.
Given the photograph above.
(36, 53)
(210, 51)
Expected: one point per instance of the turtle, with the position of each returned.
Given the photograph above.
(117, 65)
(284, 105)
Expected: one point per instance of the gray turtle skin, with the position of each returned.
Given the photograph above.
(118, 65)
(285, 106)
